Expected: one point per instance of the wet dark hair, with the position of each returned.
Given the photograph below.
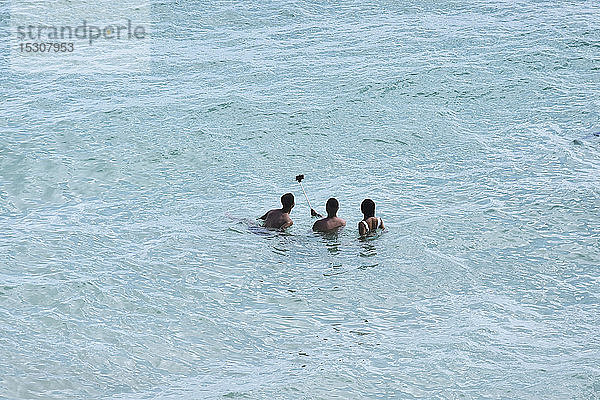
(287, 200)
(332, 207)
(368, 208)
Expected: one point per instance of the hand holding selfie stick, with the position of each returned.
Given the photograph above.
(313, 213)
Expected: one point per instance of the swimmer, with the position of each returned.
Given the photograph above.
(332, 221)
(280, 218)
(370, 223)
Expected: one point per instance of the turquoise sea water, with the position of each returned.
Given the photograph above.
(471, 124)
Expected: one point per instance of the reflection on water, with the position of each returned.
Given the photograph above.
(368, 266)
(368, 249)
(331, 240)
(335, 269)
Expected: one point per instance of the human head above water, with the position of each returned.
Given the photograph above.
(287, 201)
(368, 208)
(332, 207)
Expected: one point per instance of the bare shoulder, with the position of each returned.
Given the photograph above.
(287, 222)
(318, 225)
(269, 213)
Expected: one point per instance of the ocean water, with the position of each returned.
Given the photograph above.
(127, 266)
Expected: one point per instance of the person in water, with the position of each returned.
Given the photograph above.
(280, 218)
(332, 221)
(370, 223)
